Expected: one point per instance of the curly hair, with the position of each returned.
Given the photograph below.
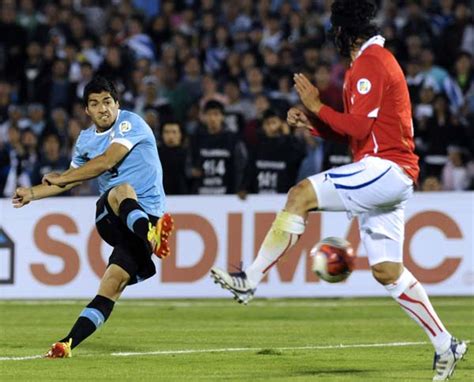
(351, 21)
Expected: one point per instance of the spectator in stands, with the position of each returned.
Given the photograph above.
(74, 128)
(431, 183)
(15, 118)
(173, 156)
(438, 77)
(274, 162)
(57, 90)
(5, 99)
(14, 171)
(330, 94)
(37, 118)
(29, 156)
(192, 79)
(218, 156)
(33, 73)
(50, 159)
(139, 42)
(150, 97)
(455, 176)
(14, 38)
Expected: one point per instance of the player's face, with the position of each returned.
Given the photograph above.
(102, 109)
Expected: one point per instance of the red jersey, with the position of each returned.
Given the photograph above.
(377, 119)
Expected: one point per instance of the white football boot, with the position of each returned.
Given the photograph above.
(237, 283)
(445, 363)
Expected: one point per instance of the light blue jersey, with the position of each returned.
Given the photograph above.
(141, 167)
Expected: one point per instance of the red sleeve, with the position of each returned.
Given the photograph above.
(365, 91)
(321, 129)
(356, 126)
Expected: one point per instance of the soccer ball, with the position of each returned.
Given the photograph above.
(333, 259)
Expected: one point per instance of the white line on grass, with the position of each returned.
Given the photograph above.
(233, 350)
(20, 358)
(230, 350)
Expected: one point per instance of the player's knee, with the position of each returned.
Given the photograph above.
(113, 284)
(124, 190)
(120, 193)
(301, 198)
(387, 272)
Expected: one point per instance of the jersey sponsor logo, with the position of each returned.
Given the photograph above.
(363, 86)
(124, 127)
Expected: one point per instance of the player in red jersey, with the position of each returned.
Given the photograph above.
(377, 124)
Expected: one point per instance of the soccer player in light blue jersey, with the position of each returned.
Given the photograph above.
(120, 150)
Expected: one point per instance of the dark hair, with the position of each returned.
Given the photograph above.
(214, 105)
(270, 113)
(99, 84)
(351, 20)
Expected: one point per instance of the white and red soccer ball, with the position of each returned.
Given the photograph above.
(333, 259)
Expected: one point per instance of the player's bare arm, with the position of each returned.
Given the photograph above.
(113, 155)
(25, 195)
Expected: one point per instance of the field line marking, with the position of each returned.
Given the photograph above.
(229, 350)
(26, 358)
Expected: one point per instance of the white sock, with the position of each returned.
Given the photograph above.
(411, 296)
(284, 233)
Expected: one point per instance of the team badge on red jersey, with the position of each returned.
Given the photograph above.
(363, 86)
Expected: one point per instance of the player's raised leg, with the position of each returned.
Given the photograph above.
(95, 314)
(413, 299)
(287, 227)
(123, 201)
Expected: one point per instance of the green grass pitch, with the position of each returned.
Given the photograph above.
(219, 340)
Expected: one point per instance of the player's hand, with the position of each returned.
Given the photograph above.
(296, 118)
(53, 178)
(309, 94)
(22, 197)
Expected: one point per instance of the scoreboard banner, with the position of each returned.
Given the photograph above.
(50, 248)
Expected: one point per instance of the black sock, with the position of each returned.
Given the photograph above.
(90, 319)
(134, 217)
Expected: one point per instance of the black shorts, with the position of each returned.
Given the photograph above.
(130, 252)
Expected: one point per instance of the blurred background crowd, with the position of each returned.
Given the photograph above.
(213, 79)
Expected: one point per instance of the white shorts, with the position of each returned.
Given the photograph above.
(375, 190)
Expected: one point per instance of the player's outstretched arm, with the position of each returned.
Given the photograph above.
(25, 195)
(92, 169)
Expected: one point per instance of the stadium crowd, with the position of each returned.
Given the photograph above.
(213, 79)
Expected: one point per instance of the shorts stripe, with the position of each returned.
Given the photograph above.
(332, 175)
(102, 215)
(344, 187)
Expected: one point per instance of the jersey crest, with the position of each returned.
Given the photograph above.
(124, 127)
(363, 86)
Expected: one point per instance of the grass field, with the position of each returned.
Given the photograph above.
(219, 340)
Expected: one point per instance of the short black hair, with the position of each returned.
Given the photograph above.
(99, 84)
(270, 113)
(214, 105)
(352, 20)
